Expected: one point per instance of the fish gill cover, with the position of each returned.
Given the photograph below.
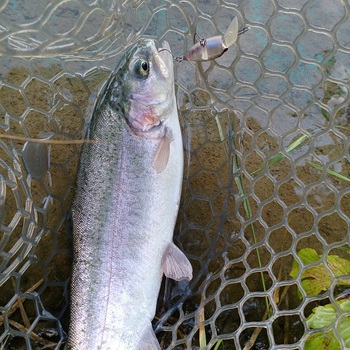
(264, 215)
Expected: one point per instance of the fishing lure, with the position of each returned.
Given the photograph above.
(213, 47)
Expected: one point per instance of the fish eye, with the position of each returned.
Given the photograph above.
(142, 68)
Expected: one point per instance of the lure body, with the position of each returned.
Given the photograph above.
(206, 49)
(213, 47)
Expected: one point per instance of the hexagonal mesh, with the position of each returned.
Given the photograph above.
(265, 209)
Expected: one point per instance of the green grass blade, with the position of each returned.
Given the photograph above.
(217, 345)
(288, 149)
(330, 172)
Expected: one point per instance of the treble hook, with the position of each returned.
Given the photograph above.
(211, 48)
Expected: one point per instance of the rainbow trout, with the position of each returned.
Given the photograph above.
(125, 207)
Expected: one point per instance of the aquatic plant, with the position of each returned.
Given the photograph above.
(315, 280)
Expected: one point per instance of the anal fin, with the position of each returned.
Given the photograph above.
(175, 264)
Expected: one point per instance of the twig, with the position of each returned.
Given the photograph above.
(15, 305)
(286, 326)
(278, 299)
(254, 336)
(48, 141)
(202, 337)
(23, 313)
(2, 344)
(32, 335)
(22, 310)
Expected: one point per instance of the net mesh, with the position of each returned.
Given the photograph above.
(264, 217)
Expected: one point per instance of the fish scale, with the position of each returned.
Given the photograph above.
(125, 209)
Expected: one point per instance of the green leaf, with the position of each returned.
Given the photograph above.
(317, 279)
(307, 256)
(344, 330)
(339, 266)
(344, 304)
(295, 270)
(322, 341)
(323, 316)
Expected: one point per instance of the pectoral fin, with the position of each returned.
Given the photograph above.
(175, 264)
(161, 157)
(148, 340)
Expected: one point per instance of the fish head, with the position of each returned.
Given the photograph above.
(148, 87)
